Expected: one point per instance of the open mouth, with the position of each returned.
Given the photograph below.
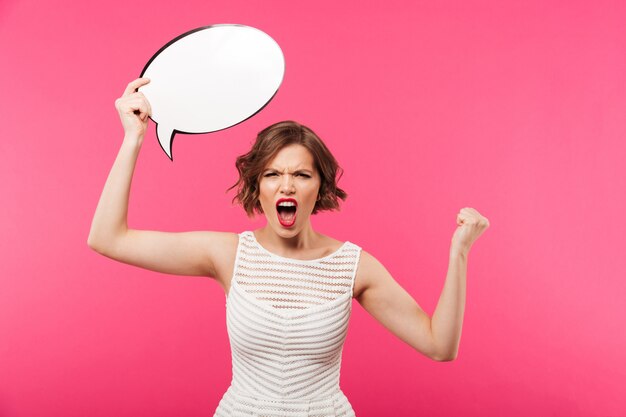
(286, 209)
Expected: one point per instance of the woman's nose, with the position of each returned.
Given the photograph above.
(287, 184)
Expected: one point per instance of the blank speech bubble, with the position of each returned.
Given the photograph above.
(211, 78)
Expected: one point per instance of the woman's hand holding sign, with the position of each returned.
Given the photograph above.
(134, 110)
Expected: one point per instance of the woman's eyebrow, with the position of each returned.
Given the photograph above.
(297, 170)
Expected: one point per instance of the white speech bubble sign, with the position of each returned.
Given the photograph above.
(211, 78)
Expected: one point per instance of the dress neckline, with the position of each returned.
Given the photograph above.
(251, 233)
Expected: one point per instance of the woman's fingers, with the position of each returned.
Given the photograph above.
(141, 107)
(134, 101)
(471, 225)
(134, 85)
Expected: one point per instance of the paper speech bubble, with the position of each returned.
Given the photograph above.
(211, 78)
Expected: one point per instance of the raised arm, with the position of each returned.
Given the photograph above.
(393, 307)
(382, 297)
(187, 253)
(109, 221)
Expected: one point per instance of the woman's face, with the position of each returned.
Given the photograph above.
(290, 178)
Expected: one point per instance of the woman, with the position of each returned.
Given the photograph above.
(288, 288)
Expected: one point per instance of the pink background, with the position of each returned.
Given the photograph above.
(516, 110)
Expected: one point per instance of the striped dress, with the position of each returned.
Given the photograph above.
(287, 321)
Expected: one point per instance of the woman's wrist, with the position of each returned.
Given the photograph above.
(459, 251)
(133, 140)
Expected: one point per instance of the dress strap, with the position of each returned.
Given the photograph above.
(357, 257)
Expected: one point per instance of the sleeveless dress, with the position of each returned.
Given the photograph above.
(287, 321)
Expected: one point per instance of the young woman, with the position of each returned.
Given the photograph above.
(288, 288)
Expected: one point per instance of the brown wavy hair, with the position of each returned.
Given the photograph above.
(268, 143)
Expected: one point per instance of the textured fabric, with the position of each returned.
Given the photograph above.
(287, 321)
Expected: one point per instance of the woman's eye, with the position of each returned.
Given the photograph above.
(272, 174)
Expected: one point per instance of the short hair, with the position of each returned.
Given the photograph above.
(268, 143)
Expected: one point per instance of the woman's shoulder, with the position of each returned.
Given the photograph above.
(333, 245)
(368, 270)
(331, 241)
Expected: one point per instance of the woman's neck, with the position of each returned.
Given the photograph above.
(306, 239)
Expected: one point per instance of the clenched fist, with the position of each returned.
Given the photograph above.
(471, 224)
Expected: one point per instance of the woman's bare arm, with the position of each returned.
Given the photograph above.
(393, 307)
(437, 337)
(187, 253)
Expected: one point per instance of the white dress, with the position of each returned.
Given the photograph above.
(287, 321)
